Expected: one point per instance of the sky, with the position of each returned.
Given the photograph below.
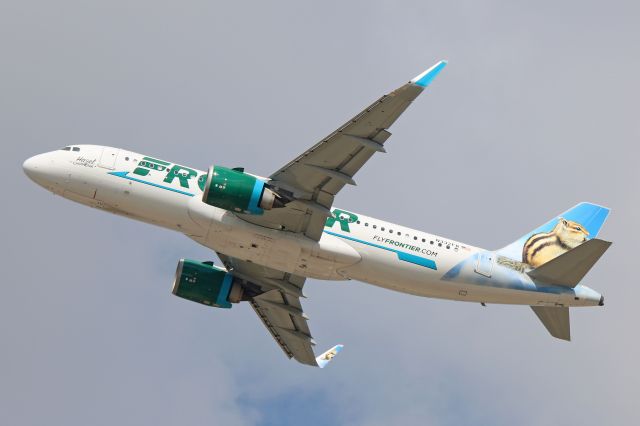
(537, 111)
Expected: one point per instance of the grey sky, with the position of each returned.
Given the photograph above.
(537, 110)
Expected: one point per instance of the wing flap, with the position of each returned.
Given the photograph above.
(289, 331)
(276, 301)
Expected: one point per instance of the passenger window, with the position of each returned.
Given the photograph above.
(415, 238)
(366, 224)
(374, 226)
(382, 229)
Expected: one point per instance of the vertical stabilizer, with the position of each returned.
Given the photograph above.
(558, 236)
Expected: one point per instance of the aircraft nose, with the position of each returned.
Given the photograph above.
(33, 167)
(42, 170)
(29, 166)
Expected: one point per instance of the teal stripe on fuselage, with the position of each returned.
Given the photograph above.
(125, 176)
(406, 257)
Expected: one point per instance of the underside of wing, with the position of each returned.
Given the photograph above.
(276, 300)
(283, 317)
(311, 181)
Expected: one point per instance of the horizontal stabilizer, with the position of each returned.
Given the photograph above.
(568, 269)
(555, 319)
(326, 357)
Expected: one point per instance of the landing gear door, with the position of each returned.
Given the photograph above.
(484, 265)
(108, 158)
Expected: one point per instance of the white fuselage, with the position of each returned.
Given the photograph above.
(365, 249)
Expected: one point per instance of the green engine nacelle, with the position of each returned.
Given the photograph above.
(237, 191)
(207, 284)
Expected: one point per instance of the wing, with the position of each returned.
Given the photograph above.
(314, 178)
(275, 296)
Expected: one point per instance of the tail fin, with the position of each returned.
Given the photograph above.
(561, 234)
(555, 319)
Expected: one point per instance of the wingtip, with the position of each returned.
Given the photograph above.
(425, 78)
(326, 357)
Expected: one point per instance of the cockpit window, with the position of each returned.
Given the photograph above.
(75, 148)
(66, 148)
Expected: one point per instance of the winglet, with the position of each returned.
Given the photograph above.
(326, 357)
(424, 79)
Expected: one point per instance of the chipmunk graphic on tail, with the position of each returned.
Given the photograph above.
(544, 246)
(558, 236)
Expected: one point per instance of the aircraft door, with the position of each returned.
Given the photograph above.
(108, 158)
(484, 265)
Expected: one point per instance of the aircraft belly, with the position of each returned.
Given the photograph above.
(288, 252)
(327, 258)
(263, 249)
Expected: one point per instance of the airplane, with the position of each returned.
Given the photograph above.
(272, 233)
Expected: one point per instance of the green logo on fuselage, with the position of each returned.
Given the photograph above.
(184, 175)
(343, 218)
